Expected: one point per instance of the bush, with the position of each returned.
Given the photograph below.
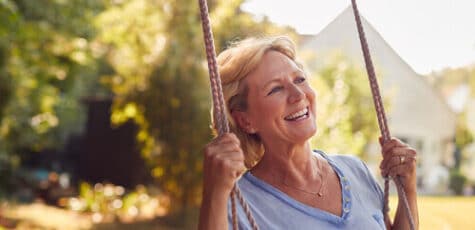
(108, 203)
(457, 182)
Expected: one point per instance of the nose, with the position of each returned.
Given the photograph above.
(296, 94)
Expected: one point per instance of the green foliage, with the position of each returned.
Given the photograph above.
(160, 77)
(346, 119)
(230, 24)
(148, 54)
(457, 181)
(107, 202)
(46, 68)
(160, 84)
(463, 136)
(448, 81)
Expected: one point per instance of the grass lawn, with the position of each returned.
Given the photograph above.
(444, 213)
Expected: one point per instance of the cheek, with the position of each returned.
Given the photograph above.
(267, 108)
(310, 94)
(270, 107)
(310, 91)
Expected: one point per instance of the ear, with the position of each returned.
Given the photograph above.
(243, 122)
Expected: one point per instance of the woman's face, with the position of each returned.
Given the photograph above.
(281, 103)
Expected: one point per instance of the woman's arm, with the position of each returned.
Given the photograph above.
(223, 164)
(401, 221)
(400, 160)
(213, 212)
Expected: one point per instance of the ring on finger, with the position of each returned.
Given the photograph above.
(402, 159)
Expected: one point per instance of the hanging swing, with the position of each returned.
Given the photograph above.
(220, 119)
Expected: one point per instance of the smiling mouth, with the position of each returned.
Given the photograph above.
(297, 116)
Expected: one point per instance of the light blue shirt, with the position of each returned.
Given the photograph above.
(362, 202)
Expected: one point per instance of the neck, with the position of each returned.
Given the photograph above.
(296, 163)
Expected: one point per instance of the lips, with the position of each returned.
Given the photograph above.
(299, 115)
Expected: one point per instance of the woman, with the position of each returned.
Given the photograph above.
(272, 110)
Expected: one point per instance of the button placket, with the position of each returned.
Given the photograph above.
(346, 196)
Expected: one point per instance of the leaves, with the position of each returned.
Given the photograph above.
(46, 68)
(345, 112)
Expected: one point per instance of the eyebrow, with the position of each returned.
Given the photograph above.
(280, 79)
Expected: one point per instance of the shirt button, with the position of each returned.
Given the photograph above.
(346, 210)
(347, 187)
(347, 199)
(343, 178)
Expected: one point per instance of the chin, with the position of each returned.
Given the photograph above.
(310, 135)
(305, 135)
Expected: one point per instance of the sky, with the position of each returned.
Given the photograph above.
(428, 34)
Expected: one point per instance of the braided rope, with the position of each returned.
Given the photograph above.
(381, 121)
(222, 124)
(246, 209)
(219, 114)
(233, 210)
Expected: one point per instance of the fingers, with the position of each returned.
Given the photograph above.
(398, 159)
(228, 137)
(224, 157)
(238, 169)
(399, 165)
(387, 146)
(223, 148)
(395, 155)
(230, 155)
(403, 170)
(228, 142)
(223, 162)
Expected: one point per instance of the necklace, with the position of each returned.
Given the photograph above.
(322, 182)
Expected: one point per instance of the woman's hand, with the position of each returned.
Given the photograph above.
(223, 164)
(399, 160)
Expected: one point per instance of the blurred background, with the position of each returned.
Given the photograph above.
(105, 104)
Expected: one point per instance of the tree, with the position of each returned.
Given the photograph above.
(157, 51)
(148, 54)
(448, 82)
(46, 67)
(346, 119)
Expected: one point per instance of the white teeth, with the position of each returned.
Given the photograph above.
(297, 114)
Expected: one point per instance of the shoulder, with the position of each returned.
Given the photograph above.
(346, 159)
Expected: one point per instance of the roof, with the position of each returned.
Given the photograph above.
(342, 33)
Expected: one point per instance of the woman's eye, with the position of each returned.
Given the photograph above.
(299, 80)
(275, 89)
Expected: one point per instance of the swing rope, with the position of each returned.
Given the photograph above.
(221, 122)
(383, 127)
(219, 114)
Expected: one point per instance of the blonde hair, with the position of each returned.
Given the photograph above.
(235, 64)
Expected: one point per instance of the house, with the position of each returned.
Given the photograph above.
(419, 115)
